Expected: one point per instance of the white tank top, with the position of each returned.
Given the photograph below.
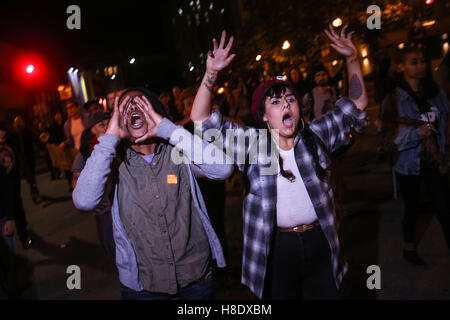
(294, 206)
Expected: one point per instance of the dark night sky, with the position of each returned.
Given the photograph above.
(127, 27)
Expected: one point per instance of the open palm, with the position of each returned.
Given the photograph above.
(220, 57)
(341, 43)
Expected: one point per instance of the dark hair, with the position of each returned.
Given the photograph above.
(90, 103)
(277, 90)
(319, 67)
(151, 96)
(408, 48)
(85, 143)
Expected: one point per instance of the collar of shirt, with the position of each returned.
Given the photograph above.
(131, 154)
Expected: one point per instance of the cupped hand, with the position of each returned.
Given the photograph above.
(117, 123)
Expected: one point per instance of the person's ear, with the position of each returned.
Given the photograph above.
(400, 67)
(92, 130)
(265, 119)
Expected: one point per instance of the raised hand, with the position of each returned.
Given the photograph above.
(151, 116)
(342, 43)
(117, 124)
(220, 57)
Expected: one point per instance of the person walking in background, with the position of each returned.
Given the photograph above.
(414, 119)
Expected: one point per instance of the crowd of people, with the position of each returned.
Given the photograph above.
(162, 220)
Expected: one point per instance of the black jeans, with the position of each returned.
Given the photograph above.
(301, 267)
(437, 185)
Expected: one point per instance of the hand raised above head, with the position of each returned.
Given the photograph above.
(220, 57)
(342, 43)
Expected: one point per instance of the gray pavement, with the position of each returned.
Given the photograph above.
(371, 233)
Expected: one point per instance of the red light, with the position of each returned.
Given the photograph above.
(428, 2)
(30, 68)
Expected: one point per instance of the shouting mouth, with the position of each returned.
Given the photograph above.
(288, 121)
(136, 119)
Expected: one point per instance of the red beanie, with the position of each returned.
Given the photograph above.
(262, 89)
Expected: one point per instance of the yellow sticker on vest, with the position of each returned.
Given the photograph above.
(171, 179)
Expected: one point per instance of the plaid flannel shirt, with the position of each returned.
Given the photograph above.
(259, 210)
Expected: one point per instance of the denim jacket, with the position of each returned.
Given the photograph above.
(90, 188)
(409, 138)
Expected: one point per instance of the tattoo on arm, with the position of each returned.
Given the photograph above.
(356, 89)
(353, 60)
(210, 79)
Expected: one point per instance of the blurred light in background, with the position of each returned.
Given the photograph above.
(401, 45)
(286, 45)
(132, 60)
(258, 57)
(191, 68)
(113, 77)
(221, 90)
(30, 68)
(364, 53)
(337, 22)
(428, 23)
(334, 63)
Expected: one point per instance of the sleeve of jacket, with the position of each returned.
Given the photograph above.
(209, 158)
(236, 139)
(91, 184)
(397, 137)
(333, 128)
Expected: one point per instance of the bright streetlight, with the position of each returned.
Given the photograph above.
(337, 22)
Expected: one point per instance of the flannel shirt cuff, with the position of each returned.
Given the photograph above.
(359, 117)
(213, 122)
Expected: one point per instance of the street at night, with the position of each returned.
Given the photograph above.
(225, 150)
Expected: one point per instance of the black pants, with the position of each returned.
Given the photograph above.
(437, 185)
(301, 267)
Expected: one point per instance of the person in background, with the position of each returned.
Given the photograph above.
(25, 156)
(96, 124)
(186, 101)
(74, 126)
(176, 92)
(91, 106)
(296, 79)
(7, 196)
(414, 120)
(322, 97)
(14, 188)
(168, 102)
